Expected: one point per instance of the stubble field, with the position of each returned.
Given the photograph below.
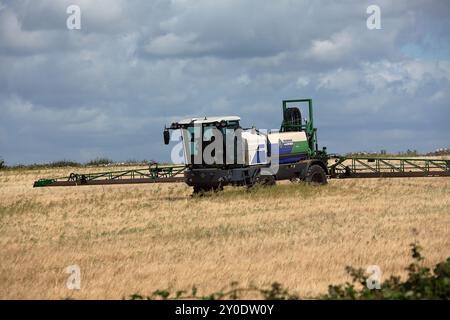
(138, 238)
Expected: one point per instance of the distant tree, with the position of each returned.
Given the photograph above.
(100, 162)
(2, 163)
(63, 163)
(411, 152)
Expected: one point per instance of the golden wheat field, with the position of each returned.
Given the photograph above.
(138, 238)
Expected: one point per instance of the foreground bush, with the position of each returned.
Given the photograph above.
(422, 283)
(275, 292)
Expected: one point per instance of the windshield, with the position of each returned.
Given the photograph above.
(200, 136)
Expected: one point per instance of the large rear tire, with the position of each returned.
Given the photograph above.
(316, 175)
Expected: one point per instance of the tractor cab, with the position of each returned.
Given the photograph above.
(208, 141)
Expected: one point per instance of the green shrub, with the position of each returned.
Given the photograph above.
(275, 292)
(422, 283)
(63, 163)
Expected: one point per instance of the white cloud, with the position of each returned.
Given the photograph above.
(408, 76)
(243, 80)
(331, 49)
(341, 79)
(302, 82)
(13, 37)
(440, 96)
(171, 45)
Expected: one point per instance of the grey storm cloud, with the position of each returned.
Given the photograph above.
(109, 88)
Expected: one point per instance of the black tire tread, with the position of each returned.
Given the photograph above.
(313, 170)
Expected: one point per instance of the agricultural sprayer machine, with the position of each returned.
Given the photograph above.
(218, 152)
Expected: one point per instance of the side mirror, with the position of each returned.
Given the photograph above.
(166, 136)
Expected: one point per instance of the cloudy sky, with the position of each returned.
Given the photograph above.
(109, 88)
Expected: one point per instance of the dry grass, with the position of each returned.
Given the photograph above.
(129, 239)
